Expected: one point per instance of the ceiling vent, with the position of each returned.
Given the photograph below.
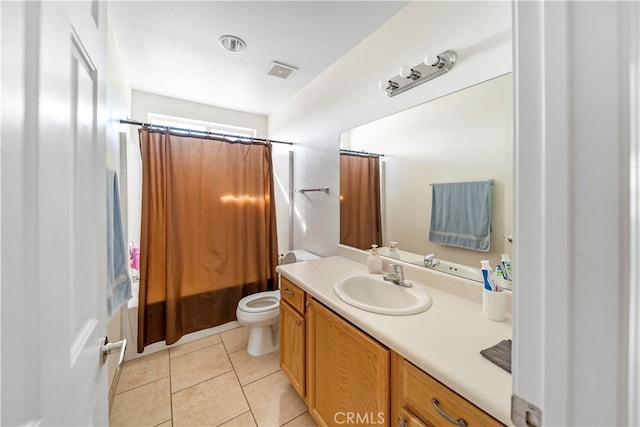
(278, 69)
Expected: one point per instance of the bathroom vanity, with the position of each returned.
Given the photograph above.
(356, 367)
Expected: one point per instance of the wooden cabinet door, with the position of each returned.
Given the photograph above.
(349, 372)
(292, 346)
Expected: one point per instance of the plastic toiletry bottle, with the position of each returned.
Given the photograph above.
(374, 262)
(506, 266)
(486, 274)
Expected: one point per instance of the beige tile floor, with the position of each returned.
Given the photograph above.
(209, 382)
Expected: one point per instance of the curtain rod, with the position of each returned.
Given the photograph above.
(360, 153)
(201, 132)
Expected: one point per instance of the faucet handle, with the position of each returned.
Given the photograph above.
(429, 260)
(397, 276)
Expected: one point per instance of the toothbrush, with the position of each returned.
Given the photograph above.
(499, 277)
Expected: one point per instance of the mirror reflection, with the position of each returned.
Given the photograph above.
(461, 137)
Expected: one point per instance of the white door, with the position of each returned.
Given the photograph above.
(53, 213)
(575, 304)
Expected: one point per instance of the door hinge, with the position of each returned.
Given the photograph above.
(524, 413)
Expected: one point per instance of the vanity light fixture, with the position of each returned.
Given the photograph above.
(388, 87)
(410, 77)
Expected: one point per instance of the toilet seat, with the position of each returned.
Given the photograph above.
(260, 302)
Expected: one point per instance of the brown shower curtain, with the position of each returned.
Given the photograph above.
(208, 232)
(360, 217)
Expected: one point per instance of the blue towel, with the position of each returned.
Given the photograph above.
(461, 215)
(118, 280)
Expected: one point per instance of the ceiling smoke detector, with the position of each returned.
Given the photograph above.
(278, 69)
(232, 43)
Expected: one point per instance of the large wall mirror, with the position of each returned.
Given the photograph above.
(463, 136)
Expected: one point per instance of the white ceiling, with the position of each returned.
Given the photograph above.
(171, 47)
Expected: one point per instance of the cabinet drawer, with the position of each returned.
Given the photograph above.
(431, 401)
(292, 294)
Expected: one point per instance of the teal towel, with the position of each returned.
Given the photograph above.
(461, 215)
(118, 280)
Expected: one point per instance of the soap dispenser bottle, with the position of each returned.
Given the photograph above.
(374, 262)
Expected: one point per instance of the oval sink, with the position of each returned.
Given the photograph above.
(372, 293)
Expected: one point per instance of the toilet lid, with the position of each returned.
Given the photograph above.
(260, 302)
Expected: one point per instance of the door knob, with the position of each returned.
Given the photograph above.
(107, 348)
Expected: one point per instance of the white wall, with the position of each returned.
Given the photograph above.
(346, 95)
(144, 103)
(464, 136)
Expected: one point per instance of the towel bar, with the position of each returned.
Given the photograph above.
(306, 190)
(491, 180)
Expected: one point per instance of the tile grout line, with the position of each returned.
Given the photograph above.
(245, 398)
(145, 384)
(205, 380)
(297, 416)
(197, 349)
(170, 388)
(170, 419)
(209, 379)
(261, 378)
(237, 416)
(241, 386)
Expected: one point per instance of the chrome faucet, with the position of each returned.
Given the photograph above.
(397, 276)
(431, 261)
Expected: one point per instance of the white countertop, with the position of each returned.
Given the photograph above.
(445, 341)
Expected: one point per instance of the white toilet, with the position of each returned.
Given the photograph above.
(260, 312)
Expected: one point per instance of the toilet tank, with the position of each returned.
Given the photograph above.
(298, 255)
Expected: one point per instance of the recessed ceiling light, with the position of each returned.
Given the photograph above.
(232, 43)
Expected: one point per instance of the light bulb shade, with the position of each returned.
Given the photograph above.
(387, 85)
(430, 59)
(406, 71)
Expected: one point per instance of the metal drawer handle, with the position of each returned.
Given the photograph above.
(401, 422)
(288, 292)
(460, 422)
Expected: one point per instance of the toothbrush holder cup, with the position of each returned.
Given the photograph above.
(494, 305)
